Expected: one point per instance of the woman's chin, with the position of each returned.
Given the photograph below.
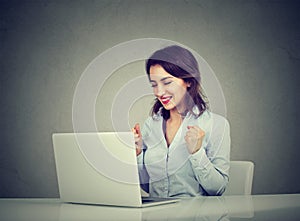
(168, 106)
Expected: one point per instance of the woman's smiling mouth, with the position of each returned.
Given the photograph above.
(165, 100)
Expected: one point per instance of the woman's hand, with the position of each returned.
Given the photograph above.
(193, 138)
(137, 138)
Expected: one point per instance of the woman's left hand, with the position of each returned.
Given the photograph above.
(194, 137)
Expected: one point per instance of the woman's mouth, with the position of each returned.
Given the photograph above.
(165, 100)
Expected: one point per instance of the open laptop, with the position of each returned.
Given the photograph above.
(99, 168)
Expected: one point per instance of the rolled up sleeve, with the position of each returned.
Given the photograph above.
(211, 163)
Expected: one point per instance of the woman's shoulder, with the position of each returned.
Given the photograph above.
(218, 117)
(153, 119)
(151, 122)
(212, 122)
(212, 117)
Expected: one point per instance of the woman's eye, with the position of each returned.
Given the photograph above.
(153, 85)
(166, 83)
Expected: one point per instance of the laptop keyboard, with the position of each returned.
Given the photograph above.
(154, 199)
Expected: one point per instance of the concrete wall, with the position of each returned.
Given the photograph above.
(252, 46)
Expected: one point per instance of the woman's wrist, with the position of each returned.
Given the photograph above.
(138, 151)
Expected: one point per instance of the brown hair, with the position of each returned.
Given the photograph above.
(180, 63)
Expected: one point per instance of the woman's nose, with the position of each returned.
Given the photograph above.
(159, 90)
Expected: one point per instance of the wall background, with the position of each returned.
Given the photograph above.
(252, 46)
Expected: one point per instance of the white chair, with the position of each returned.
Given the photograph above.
(240, 178)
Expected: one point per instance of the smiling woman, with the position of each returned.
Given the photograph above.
(169, 90)
(183, 149)
(179, 65)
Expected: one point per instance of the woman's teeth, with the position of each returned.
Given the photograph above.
(165, 100)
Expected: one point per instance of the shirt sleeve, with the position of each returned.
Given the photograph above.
(211, 163)
(143, 174)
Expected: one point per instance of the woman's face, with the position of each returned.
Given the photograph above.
(169, 90)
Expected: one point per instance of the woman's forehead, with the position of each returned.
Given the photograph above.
(158, 71)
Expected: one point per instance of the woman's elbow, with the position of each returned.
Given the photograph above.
(219, 189)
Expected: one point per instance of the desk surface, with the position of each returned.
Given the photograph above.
(256, 207)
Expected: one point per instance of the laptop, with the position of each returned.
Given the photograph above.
(100, 168)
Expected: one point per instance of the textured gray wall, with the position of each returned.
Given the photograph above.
(252, 46)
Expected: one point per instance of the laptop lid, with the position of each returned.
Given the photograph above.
(99, 168)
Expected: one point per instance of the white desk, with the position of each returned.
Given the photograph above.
(256, 207)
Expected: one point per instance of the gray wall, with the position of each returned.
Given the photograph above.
(252, 46)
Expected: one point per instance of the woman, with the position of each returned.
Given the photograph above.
(183, 149)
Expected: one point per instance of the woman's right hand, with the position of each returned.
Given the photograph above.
(137, 138)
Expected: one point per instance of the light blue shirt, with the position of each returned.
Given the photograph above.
(172, 171)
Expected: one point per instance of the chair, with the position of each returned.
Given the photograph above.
(240, 178)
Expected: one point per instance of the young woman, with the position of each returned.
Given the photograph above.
(183, 149)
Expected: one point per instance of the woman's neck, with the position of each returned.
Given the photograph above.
(176, 116)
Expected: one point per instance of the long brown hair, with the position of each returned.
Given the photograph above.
(180, 63)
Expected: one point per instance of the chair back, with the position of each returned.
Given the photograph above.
(240, 178)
